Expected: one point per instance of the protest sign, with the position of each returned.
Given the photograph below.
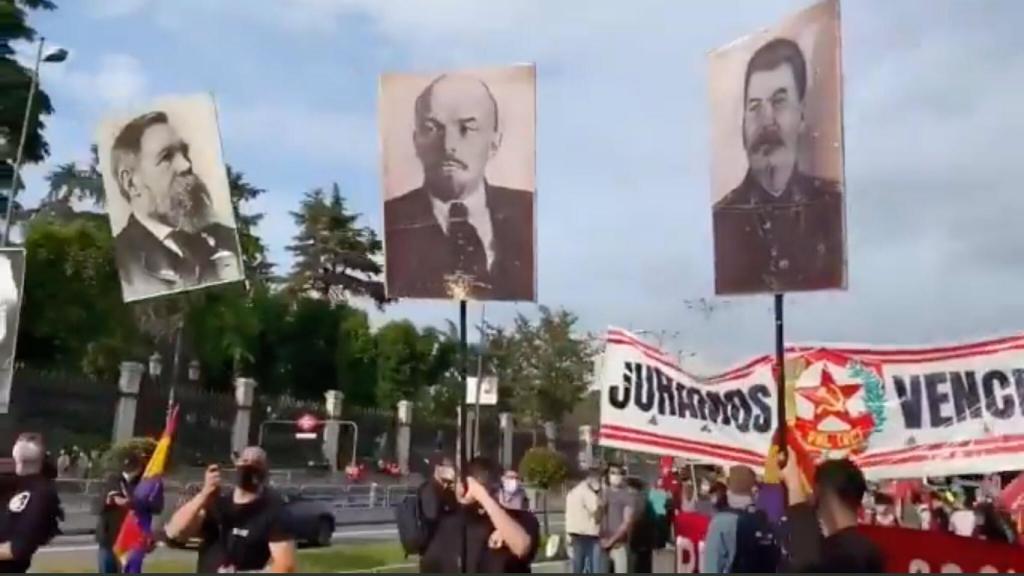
(897, 412)
(908, 551)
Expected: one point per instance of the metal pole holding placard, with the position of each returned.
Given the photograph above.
(780, 378)
(475, 448)
(462, 459)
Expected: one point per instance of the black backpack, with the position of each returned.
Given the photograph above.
(757, 550)
(413, 529)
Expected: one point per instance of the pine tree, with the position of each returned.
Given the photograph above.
(254, 252)
(335, 258)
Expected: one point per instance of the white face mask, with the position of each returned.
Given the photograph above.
(28, 457)
(739, 501)
(510, 485)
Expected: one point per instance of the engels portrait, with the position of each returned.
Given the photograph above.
(171, 240)
(457, 227)
(780, 229)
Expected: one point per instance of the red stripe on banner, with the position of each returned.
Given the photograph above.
(735, 452)
(921, 354)
(981, 447)
(681, 447)
(618, 336)
(959, 454)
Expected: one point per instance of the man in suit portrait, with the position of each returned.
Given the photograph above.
(458, 228)
(171, 240)
(780, 229)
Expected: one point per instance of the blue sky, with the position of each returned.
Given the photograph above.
(933, 135)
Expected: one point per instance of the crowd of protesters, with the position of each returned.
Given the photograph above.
(615, 522)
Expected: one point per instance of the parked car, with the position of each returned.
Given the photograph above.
(312, 519)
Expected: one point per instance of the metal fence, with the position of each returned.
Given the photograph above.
(69, 409)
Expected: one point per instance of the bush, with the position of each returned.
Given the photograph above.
(543, 468)
(113, 459)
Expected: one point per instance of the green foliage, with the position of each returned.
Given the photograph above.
(356, 358)
(543, 366)
(334, 257)
(113, 459)
(72, 315)
(400, 363)
(258, 267)
(543, 468)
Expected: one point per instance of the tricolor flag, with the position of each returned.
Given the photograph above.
(133, 541)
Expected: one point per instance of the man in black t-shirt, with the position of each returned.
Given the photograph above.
(29, 506)
(839, 488)
(497, 540)
(245, 530)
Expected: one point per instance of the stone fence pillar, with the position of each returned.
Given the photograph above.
(403, 437)
(551, 435)
(586, 458)
(245, 394)
(507, 427)
(128, 400)
(333, 400)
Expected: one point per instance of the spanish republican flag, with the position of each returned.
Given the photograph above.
(133, 541)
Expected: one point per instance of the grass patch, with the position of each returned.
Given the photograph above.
(340, 557)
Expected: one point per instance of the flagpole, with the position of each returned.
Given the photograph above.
(462, 459)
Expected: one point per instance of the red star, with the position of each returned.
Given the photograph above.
(828, 397)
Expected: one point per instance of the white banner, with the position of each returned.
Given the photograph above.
(898, 412)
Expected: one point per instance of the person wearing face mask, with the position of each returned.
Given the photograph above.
(111, 507)
(822, 536)
(583, 523)
(512, 494)
(245, 530)
(740, 538)
(497, 540)
(32, 514)
(619, 515)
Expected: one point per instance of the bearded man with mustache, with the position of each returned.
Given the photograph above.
(780, 230)
(457, 225)
(171, 241)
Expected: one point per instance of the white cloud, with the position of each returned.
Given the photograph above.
(117, 81)
(314, 134)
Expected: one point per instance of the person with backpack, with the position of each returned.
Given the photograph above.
(419, 514)
(740, 538)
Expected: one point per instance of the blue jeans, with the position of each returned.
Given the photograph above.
(108, 563)
(586, 554)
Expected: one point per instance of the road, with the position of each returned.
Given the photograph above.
(77, 551)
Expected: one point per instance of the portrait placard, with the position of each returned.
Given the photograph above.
(168, 199)
(12, 284)
(459, 181)
(777, 182)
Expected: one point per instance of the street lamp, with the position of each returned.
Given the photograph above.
(193, 371)
(156, 366)
(58, 55)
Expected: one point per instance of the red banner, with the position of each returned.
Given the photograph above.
(916, 551)
(691, 528)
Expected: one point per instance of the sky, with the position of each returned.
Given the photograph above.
(932, 110)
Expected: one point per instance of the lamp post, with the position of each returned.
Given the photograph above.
(156, 366)
(58, 55)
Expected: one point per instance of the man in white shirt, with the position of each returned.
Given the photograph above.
(458, 229)
(582, 523)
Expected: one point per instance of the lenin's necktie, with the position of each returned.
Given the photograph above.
(467, 249)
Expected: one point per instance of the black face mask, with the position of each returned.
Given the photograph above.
(249, 478)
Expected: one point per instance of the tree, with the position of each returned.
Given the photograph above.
(543, 367)
(400, 363)
(334, 257)
(356, 358)
(258, 267)
(69, 182)
(15, 80)
(544, 469)
(72, 315)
